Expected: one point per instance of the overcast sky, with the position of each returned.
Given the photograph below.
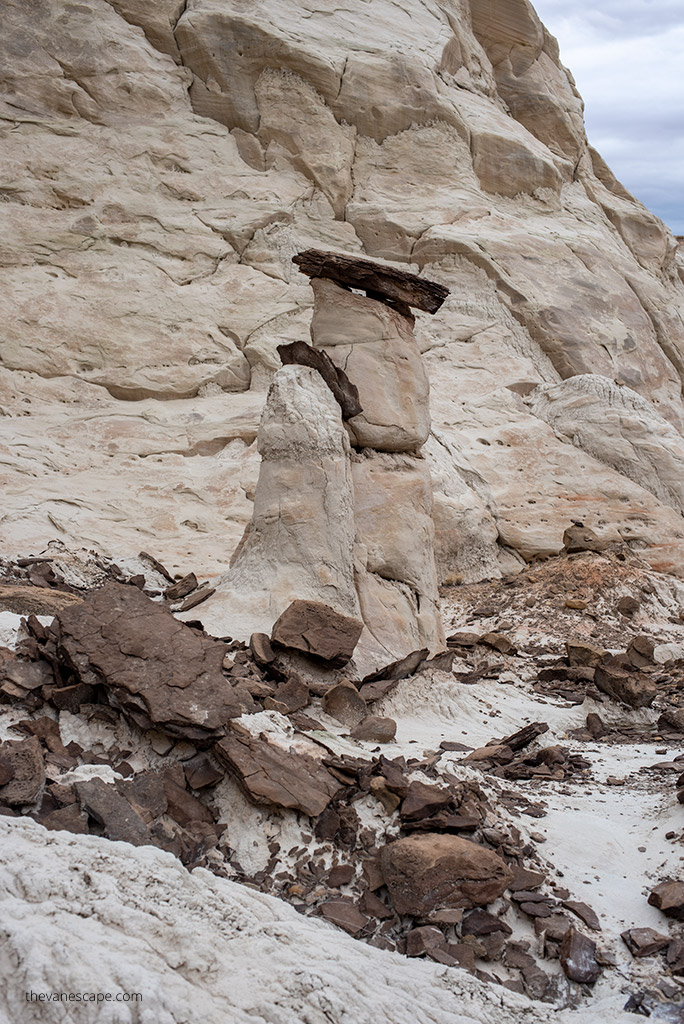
(627, 57)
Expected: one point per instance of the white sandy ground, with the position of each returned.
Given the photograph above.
(84, 914)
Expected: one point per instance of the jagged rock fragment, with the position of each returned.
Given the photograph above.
(431, 871)
(669, 897)
(346, 394)
(345, 703)
(644, 941)
(316, 628)
(375, 729)
(631, 688)
(421, 940)
(345, 915)
(118, 820)
(578, 957)
(159, 671)
(268, 774)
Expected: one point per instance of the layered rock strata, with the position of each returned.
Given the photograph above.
(343, 504)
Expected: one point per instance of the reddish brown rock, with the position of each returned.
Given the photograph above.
(420, 940)
(182, 588)
(293, 695)
(481, 922)
(644, 941)
(345, 703)
(112, 812)
(200, 772)
(157, 670)
(66, 819)
(630, 688)
(580, 653)
(578, 958)
(432, 871)
(422, 801)
(585, 913)
(669, 897)
(344, 915)
(22, 761)
(262, 651)
(268, 774)
(375, 729)
(346, 394)
(316, 628)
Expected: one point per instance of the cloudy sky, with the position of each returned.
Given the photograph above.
(627, 57)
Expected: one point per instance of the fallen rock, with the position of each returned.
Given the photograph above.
(585, 914)
(422, 801)
(420, 940)
(293, 695)
(316, 628)
(584, 653)
(578, 958)
(481, 922)
(112, 812)
(182, 588)
(200, 772)
(375, 729)
(432, 871)
(345, 703)
(22, 763)
(582, 538)
(636, 691)
(669, 897)
(262, 651)
(673, 718)
(271, 775)
(344, 915)
(157, 670)
(640, 651)
(644, 941)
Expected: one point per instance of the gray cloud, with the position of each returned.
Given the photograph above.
(627, 58)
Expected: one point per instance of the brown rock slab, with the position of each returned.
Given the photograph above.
(345, 703)
(316, 628)
(344, 915)
(346, 394)
(526, 879)
(420, 940)
(66, 819)
(481, 922)
(22, 761)
(584, 912)
(644, 941)
(640, 651)
(373, 906)
(341, 874)
(157, 670)
(268, 774)
(578, 958)
(584, 653)
(672, 719)
(523, 737)
(396, 670)
(499, 643)
(432, 871)
(118, 820)
(70, 698)
(262, 651)
(669, 897)
(422, 801)
(182, 588)
(293, 695)
(630, 688)
(396, 287)
(375, 729)
(200, 772)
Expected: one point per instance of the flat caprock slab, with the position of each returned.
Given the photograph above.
(396, 287)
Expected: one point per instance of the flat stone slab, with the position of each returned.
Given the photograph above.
(156, 669)
(316, 628)
(396, 287)
(269, 775)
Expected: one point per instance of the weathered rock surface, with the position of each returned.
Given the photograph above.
(669, 897)
(156, 669)
(271, 775)
(316, 628)
(21, 763)
(432, 871)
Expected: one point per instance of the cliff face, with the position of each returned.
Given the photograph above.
(162, 164)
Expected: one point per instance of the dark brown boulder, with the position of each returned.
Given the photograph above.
(420, 941)
(422, 801)
(669, 897)
(375, 729)
(630, 688)
(432, 871)
(157, 670)
(344, 915)
(578, 957)
(271, 775)
(316, 628)
(644, 941)
(345, 703)
(109, 809)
